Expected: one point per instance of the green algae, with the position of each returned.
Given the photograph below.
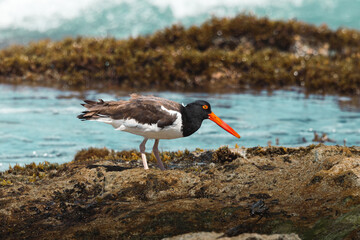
(327, 228)
(331, 229)
(223, 54)
(94, 154)
(224, 155)
(91, 154)
(31, 172)
(4, 182)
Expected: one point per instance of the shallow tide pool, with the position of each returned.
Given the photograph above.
(40, 124)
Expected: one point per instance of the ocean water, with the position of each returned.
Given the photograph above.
(40, 124)
(22, 21)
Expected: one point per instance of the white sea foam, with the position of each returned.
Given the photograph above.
(186, 8)
(39, 15)
(42, 15)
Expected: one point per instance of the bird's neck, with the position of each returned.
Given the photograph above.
(190, 123)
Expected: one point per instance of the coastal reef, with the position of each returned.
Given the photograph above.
(221, 55)
(308, 192)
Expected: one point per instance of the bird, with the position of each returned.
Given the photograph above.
(152, 118)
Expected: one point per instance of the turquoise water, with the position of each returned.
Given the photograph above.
(40, 124)
(22, 21)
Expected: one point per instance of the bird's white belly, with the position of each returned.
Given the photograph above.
(151, 131)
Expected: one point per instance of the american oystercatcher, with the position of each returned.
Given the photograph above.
(153, 118)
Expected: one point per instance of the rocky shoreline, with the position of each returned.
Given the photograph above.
(310, 192)
(221, 55)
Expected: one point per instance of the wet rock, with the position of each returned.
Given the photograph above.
(312, 191)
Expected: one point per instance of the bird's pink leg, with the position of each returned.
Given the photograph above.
(157, 155)
(143, 156)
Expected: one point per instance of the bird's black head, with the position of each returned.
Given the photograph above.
(193, 115)
(199, 109)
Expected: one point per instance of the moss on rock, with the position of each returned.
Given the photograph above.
(223, 54)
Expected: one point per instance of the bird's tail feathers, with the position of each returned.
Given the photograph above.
(92, 112)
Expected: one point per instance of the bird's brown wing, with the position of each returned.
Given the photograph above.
(143, 109)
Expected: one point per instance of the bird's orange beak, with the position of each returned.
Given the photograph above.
(222, 124)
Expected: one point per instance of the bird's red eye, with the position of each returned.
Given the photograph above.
(205, 106)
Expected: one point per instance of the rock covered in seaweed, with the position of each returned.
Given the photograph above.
(223, 54)
(311, 191)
